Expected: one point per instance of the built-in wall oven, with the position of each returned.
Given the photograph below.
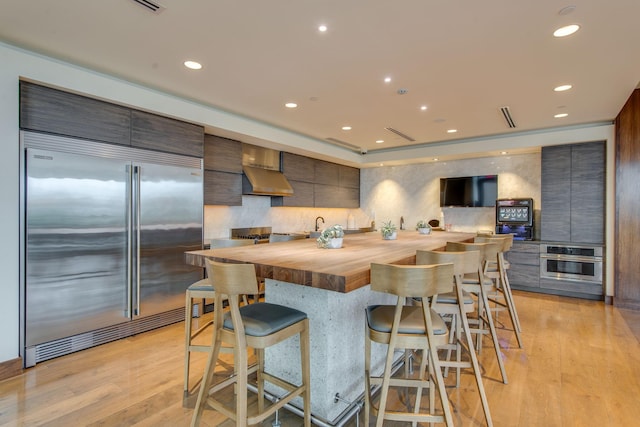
(581, 263)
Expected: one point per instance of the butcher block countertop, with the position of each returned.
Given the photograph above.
(341, 270)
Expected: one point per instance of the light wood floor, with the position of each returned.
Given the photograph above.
(580, 367)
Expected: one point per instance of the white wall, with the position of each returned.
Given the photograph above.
(17, 64)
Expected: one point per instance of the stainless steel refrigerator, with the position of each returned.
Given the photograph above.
(105, 231)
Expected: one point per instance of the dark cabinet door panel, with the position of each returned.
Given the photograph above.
(327, 173)
(302, 196)
(556, 193)
(164, 134)
(49, 110)
(222, 154)
(588, 193)
(298, 168)
(222, 188)
(349, 177)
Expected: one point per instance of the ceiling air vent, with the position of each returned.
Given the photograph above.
(507, 117)
(400, 134)
(150, 5)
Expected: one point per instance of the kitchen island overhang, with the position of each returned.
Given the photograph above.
(332, 287)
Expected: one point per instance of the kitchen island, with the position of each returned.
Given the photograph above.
(332, 287)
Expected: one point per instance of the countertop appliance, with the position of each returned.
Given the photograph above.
(515, 216)
(105, 231)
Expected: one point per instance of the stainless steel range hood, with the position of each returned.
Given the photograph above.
(262, 176)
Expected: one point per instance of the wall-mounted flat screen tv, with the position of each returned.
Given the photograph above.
(469, 191)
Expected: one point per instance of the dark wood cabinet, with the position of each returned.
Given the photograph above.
(54, 111)
(298, 168)
(556, 192)
(222, 188)
(302, 195)
(327, 173)
(320, 184)
(573, 193)
(222, 154)
(153, 132)
(349, 177)
(223, 171)
(524, 260)
(588, 192)
(50, 110)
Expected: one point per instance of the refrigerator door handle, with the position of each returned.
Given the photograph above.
(136, 213)
(128, 312)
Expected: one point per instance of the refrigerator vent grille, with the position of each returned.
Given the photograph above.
(91, 148)
(86, 340)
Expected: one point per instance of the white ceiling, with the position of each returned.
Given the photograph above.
(463, 59)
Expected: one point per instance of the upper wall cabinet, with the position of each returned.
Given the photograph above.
(49, 110)
(164, 134)
(54, 111)
(223, 171)
(222, 154)
(298, 168)
(573, 193)
(320, 184)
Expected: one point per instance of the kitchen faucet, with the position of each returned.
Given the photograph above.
(401, 223)
(317, 226)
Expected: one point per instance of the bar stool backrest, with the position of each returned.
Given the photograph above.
(464, 262)
(232, 279)
(505, 242)
(411, 280)
(488, 251)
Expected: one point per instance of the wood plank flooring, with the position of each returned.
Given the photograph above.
(580, 366)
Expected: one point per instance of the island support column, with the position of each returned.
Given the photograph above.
(337, 331)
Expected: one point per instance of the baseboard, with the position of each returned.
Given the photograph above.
(632, 304)
(10, 368)
(608, 299)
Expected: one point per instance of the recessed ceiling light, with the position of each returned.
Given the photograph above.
(435, 159)
(379, 141)
(346, 127)
(193, 65)
(560, 115)
(504, 152)
(387, 79)
(566, 31)
(322, 28)
(291, 105)
(452, 130)
(423, 108)
(562, 88)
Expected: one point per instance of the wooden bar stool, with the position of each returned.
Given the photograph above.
(407, 327)
(488, 251)
(258, 326)
(457, 303)
(497, 270)
(200, 290)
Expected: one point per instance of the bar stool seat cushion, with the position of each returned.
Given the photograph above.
(380, 318)
(472, 279)
(262, 319)
(201, 285)
(450, 298)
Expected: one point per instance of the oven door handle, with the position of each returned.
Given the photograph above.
(574, 258)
